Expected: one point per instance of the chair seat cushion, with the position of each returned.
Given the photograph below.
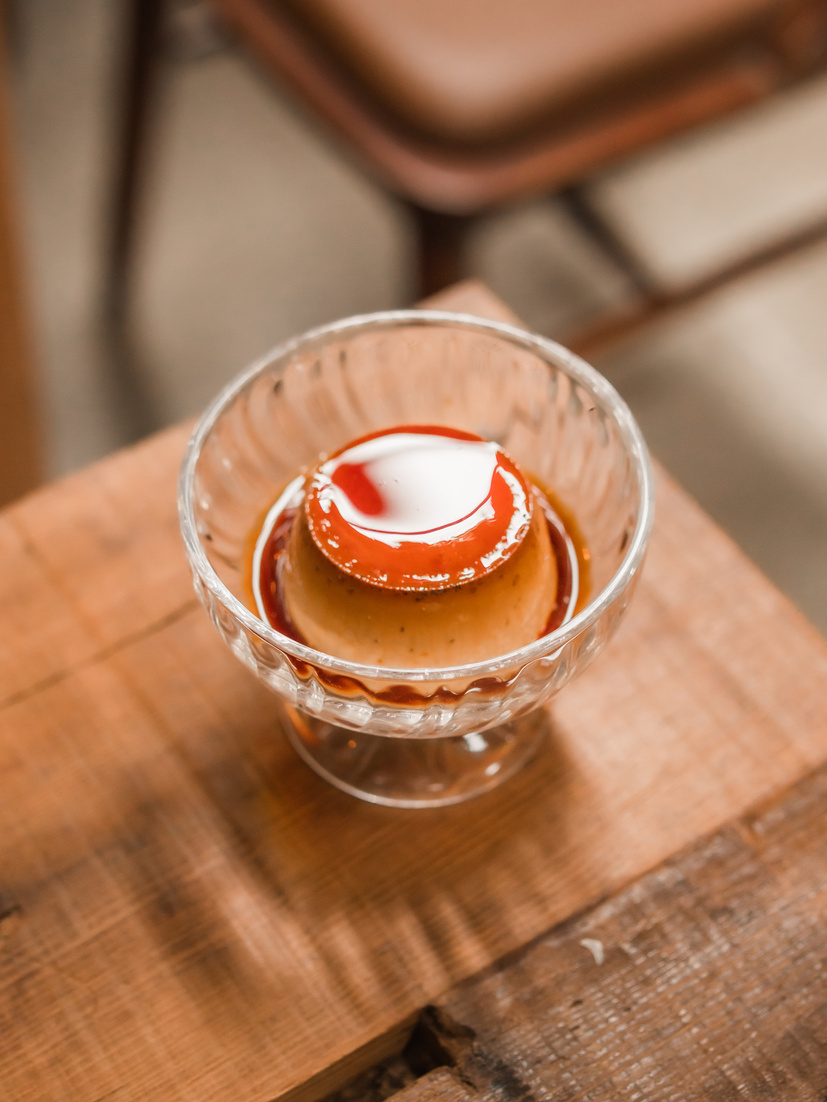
(477, 71)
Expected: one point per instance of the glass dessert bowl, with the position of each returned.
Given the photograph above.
(270, 492)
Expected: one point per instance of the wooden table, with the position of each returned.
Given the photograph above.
(187, 912)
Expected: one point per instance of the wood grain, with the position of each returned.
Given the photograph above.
(705, 980)
(190, 913)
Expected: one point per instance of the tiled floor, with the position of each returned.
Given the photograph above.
(254, 229)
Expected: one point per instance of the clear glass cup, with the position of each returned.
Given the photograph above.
(416, 737)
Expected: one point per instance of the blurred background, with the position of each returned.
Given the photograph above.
(254, 226)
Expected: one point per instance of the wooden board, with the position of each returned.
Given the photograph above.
(186, 912)
(704, 980)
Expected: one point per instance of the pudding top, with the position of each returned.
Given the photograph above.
(419, 507)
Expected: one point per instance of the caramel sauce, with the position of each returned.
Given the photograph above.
(362, 493)
(564, 535)
(568, 572)
(421, 507)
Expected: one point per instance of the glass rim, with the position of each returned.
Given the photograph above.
(548, 350)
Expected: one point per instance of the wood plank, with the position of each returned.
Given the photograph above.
(42, 636)
(191, 913)
(110, 533)
(704, 980)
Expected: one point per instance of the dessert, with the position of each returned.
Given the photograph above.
(419, 546)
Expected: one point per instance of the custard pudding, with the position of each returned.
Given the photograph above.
(419, 546)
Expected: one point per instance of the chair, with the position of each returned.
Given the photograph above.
(459, 106)
(21, 444)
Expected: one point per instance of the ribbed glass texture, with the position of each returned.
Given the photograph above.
(558, 418)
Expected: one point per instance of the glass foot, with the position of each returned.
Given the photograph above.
(409, 772)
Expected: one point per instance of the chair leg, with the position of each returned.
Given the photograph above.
(21, 441)
(143, 33)
(602, 233)
(440, 245)
(620, 324)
